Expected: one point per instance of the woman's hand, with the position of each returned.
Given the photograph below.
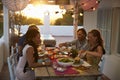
(82, 53)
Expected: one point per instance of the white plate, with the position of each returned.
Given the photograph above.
(76, 65)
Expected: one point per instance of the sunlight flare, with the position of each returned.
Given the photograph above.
(39, 10)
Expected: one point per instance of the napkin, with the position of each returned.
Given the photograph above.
(69, 70)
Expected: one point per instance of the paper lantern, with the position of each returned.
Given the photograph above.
(89, 5)
(15, 5)
(93, 8)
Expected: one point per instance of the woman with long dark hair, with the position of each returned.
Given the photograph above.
(29, 58)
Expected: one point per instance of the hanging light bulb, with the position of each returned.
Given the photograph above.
(81, 14)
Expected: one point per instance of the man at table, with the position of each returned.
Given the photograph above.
(80, 42)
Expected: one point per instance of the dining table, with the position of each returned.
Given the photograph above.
(84, 71)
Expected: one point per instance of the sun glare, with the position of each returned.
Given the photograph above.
(38, 11)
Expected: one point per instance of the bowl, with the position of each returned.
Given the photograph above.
(65, 62)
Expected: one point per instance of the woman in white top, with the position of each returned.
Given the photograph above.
(29, 58)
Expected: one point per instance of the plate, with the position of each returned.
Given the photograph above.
(65, 61)
(76, 65)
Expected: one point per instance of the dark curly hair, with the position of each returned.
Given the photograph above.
(30, 34)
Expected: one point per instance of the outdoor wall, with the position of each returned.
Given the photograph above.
(54, 30)
(111, 67)
(90, 20)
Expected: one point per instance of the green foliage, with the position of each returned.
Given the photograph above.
(58, 21)
(68, 20)
(1, 29)
(80, 20)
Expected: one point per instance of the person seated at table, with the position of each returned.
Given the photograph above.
(22, 39)
(29, 58)
(96, 48)
(80, 42)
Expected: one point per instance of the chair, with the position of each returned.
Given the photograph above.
(101, 63)
(11, 69)
(12, 62)
(14, 53)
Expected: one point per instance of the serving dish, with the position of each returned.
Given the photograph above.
(65, 61)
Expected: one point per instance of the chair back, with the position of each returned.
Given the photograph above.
(14, 53)
(11, 66)
(101, 63)
(12, 62)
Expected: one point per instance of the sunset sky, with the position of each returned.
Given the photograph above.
(38, 11)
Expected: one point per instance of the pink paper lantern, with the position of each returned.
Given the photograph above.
(93, 8)
(15, 5)
(89, 5)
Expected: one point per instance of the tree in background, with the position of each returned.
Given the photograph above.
(1, 19)
(24, 20)
(68, 19)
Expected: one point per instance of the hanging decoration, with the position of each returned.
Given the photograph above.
(89, 5)
(15, 5)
